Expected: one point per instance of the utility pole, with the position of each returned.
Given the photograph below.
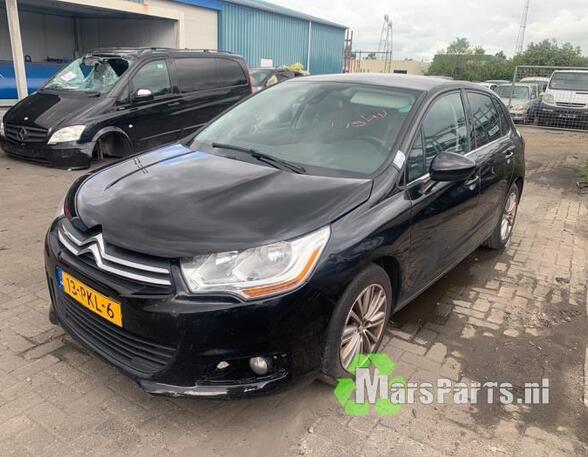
(385, 44)
(521, 36)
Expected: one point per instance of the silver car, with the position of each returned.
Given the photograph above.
(520, 99)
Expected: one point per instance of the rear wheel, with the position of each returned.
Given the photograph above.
(503, 231)
(358, 322)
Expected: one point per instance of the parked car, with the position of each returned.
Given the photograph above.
(262, 78)
(539, 81)
(498, 81)
(491, 86)
(275, 244)
(117, 102)
(522, 100)
(565, 101)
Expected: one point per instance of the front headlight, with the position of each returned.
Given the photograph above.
(519, 108)
(549, 99)
(257, 272)
(1, 128)
(72, 133)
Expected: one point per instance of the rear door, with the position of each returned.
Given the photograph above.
(493, 153)
(153, 122)
(209, 85)
(442, 222)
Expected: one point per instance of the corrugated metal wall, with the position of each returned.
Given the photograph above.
(258, 34)
(326, 50)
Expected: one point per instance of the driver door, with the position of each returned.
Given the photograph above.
(442, 212)
(153, 118)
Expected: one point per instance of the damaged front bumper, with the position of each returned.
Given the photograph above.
(71, 155)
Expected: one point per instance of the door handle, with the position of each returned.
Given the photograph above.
(509, 153)
(471, 183)
(173, 104)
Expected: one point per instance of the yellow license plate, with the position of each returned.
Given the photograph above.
(94, 301)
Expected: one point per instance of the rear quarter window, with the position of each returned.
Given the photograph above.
(486, 119)
(231, 73)
(197, 73)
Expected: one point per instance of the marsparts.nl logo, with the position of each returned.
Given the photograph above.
(356, 396)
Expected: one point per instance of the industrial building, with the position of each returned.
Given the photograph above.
(264, 33)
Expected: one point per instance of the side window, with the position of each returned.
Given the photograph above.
(415, 163)
(154, 77)
(502, 117)
(445, 128)
(197, 73)
(231, 73)
(486, 119)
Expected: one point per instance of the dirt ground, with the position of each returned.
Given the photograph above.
(515, 316)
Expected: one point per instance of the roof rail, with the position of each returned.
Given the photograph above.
(157, 48)
(224, 51)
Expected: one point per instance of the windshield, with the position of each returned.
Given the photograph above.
(257, 76)
(569, 81)
(518, 92)
(90, 74)
(333, 127)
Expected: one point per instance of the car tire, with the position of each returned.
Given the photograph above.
(503, 231)
(372, 280)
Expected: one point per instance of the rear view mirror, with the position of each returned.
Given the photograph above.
(448, 166)
(142, 95)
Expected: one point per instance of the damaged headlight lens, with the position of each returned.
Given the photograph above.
(257, 272)
(72, 133)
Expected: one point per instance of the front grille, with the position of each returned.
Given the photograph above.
(126, 350)
(93, 249)
(571, 105)
(25, 133)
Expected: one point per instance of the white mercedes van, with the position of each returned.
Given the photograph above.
(565, 102)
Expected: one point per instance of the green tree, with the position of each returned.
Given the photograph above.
(550, 53)
(459, 46)
(371, 56)
(462, 61)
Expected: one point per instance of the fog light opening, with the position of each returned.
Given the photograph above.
(260, 365)
(222, 365)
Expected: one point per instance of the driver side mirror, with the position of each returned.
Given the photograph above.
(142, 95)
(449, 166)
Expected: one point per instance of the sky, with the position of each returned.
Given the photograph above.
(423, 27)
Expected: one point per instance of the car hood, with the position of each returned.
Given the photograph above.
(49, 109)
(515, 101)
(175, 202)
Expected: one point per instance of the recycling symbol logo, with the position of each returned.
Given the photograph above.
(346, 387)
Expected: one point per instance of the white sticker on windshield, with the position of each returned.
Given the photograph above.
(399, 160)
(493, 130)
(69, 76)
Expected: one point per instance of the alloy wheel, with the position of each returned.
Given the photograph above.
(508, 216)
(364, 324)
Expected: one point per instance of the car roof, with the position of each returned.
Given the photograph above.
(535, 78)
(572, 71)
(141, 51)
(520, 84)
(415, 82)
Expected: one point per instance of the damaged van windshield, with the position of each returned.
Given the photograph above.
(96, 74)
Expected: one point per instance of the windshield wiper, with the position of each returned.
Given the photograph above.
(266, 158)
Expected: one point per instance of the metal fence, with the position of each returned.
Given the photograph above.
(368, 62)
(548, 96)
